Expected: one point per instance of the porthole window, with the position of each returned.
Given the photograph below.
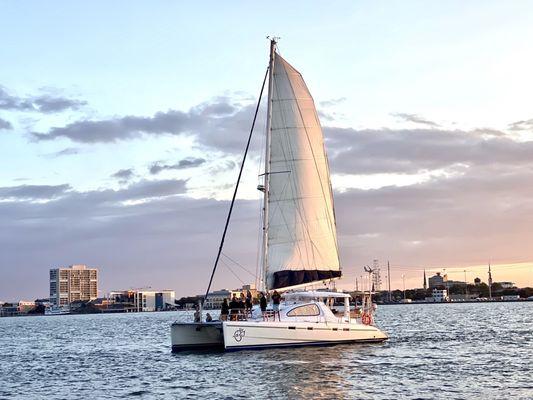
(309, 310)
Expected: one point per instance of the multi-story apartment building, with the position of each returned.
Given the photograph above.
(77, 282)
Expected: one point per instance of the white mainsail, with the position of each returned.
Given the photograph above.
(301, 234)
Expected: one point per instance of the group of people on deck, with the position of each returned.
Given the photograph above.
(241, 307)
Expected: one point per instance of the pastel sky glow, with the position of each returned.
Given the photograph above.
(122, 125)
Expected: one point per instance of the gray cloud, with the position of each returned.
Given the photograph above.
(226, 165)
(486, 213)
(182, 164)
(69, 151)
(416, 119)
(144, 189)
(42, 103)
(155, 242)
(219, 124)
(521, 125)
(332, 102)
(123, 175)
(49, 104)
(5, 124)
(482, 212)
(33, 192)
(325, 116)
(410, 151)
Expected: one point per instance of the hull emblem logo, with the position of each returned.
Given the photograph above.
(239, 334)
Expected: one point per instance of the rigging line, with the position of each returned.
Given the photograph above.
(239, 265)
(331, 225)
(233, 272)
(278, 208)
(235, 191)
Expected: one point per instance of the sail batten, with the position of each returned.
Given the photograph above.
(301, 232)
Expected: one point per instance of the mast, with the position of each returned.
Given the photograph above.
(262, 282)
(388, 273)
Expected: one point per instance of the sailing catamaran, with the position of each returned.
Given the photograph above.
(299, 235)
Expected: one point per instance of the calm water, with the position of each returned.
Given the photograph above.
(455, 351)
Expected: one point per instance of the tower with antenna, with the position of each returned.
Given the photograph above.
(490, 284)
(376, 276)
(388, 278)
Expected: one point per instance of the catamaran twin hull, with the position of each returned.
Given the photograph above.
(241, 335)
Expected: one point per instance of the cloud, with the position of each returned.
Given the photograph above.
(49, 104)
(332, 102)
(522, 125)
(416, 119)
(226, 165)
(182, 164)
(145, 189)
(325, 116)
(486, 212)
(33, 192)
(218, 124)
(112, 130)
(483, 214)
(42, 103)
(5, 124)
(69, 151)
(371, 151)
(124, 175)
(155, 242)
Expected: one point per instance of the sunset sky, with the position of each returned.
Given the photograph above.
(122, 125)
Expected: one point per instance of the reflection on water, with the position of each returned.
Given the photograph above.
(455, 351)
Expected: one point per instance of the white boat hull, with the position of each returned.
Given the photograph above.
(195, 336)
(240, 335)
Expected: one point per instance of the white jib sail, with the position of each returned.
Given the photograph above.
(301, 232)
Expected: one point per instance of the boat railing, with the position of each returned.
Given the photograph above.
(239, 314)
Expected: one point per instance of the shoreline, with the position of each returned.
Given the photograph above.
(454, 302)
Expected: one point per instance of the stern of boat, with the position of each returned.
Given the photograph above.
(196, 336)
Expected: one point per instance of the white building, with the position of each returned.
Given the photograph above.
(77, 282)
(145, 299)
(25, 306)
(214, 299)
(242, 291)
(506, 285)
(440, 295)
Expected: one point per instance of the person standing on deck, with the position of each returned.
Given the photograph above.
(276, 299)
(233, 308)
(241, 307)
(263, 305)
(248, 303)
(224, 310)
(197, 314)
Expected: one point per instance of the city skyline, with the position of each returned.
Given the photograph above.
(412, 281)
(121, 144)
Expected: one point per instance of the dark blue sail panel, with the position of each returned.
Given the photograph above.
(288, 278)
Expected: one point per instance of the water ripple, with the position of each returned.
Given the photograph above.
(458, 351)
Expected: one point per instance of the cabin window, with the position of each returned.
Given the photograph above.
(308, 310)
